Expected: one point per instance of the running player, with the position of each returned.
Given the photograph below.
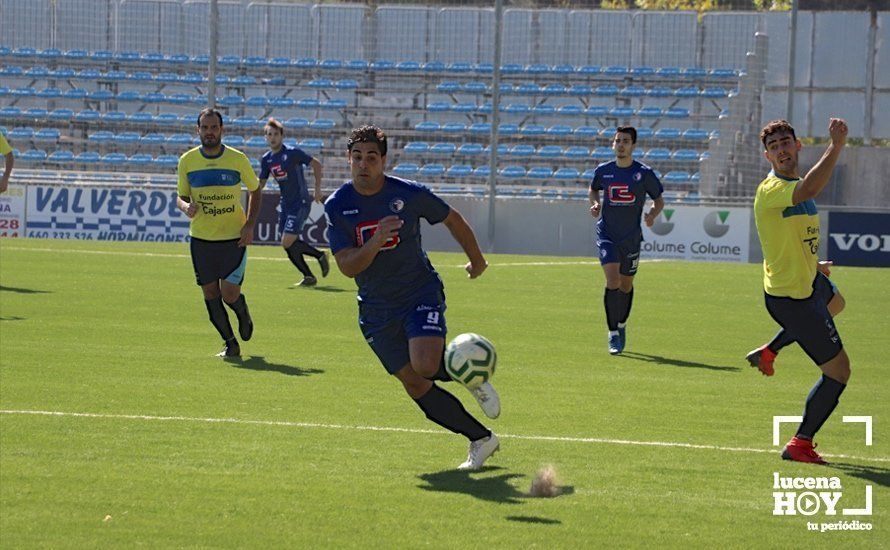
(625, 183)
(285, 164)
(210, 178)
(374, 231)
(6, 151)
(796, 293)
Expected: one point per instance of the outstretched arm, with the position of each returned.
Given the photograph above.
(818, 176)
(466, 238)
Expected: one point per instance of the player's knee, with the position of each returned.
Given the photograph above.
(839, 368)
(416, 387)
(425, 368)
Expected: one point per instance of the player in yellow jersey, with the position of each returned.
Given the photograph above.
(795, 283)
(6, 151)
(209, 189)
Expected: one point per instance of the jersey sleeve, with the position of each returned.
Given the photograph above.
(264, 167)
(430, 206)
(248, 176)
(653, 185)
(302, 157)
(183, 188)
(339, 236)
(4, 146)
(596, 184)
(775, 193)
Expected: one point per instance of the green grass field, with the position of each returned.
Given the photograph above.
(308, 443)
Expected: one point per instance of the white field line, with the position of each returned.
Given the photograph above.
(289, 424)
(262, 258)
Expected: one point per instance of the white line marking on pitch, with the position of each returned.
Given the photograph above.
(289, 424)
(264, 258)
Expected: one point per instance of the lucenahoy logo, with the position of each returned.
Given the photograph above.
(715, 223)
(663, 225)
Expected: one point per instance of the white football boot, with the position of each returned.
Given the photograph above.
(479, 452)
(488, 399)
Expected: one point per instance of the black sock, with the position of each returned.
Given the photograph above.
(309, 250)
(445, 410)
(296, 258)
(442, 374)
(219, 318)
(245, 323)
(613, 301)
(628, 302)
(821, 402)
(780, 340)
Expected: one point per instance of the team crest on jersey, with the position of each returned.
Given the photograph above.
(397, 205)
(638, 176)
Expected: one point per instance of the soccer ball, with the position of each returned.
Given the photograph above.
(470, 359)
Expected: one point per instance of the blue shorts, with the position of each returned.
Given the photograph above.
(291, 221)
(626, 253)
(388, 330)
(809, 321)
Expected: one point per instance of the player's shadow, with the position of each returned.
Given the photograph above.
(875, 474)
(323, 288)
(23, 290)
(12, 318)
(259, 363)
(661, 360)
(534, 519)
(496, 488)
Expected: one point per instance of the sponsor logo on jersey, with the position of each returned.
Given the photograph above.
(365, 230)
(278, 172)
(621, 195)
(350, 212)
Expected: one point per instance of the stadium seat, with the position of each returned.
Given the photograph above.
(127, 138)
(686, 92)
(49, 93)
(406, 169)
(166, 119)
(443, 149)
(559, 130)
(463, 107)
(470, 149)
(539, 173)
(544, 110)
(677, 112)
(586, 132)
(166, 161)
(427, 126)
(615, 71)
(322, 124)
(569, 110)
(508, 129)
(480, 128)
(114, 159)
(667, 133)
(576, 152)
(102, 136)
(256, 142)
(521, 151)
(21, 133)
(695, 134)
(685, 155)
(313, 145)
(532, 130)
(87, 157)
(649, 112)
(657, 154)
(550, 151)
(459, 170)
(596, 111)
(48, 135)
(566, 174)
(35, 113)
(645, 133)
(293, 123)
(454, 128)
(602, 153)
(154, 139)
(676, 177)
(62, 115)
(417, 147)
(179, 140)
(432, 170)
(512, 172)
(621, 112)
(60, 156)
(438, 107)
(659, 91)
(633, 90)
(483, 171)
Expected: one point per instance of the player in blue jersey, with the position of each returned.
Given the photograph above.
(374, 231)
(285, 164)
(625, 183)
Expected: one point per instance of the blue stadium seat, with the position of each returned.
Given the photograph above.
(454, 128)
(475, 87)
(408, 66)
(686, 92)
(155, 139)
(23, 92)
(588, 174)
(383, 65)
(320, 83)
(685, 155)
(714, 92)
(586, 132)
(50, 54)
(448, 86)
(87, 157)
(179, 139)
(11, 71)
(667, 133)
(406, 169)
(112, 117)
(539, 173)
(470, 149)
(677, 112)
(642, 71)
(569, 110)
(231, 101)
(166, 119)
(443, 149)
(602, 153)
(621, 112)
(483, 171)
(233, 140)
(550, 151)
(516, 108)
(438, 107)
(35, 113)
(615, 71)
(694, 72)
(432, 170)
(723, 73)
(114, 159)
(590, 70)
(293, 123)
(60, 156)
(102, 136)
(695, 134)
(145, 118)
(282, 102)
(659, 91)
(459, 171)
(485, 109)
(532, 130)
(559, 130)
(649, 112)
(21, 133)
(333, 104)
(312, 145)
(544, 109)
(47, 134)
(676, 177)
(508, 129)
(645, 133)
(657, 154)
(417, 147)
(127, 138)
(154, 97)
(522, 150)
(62, 115)
(256, 142)
(566, 174)
(346, 84)
(129, 95)
(356, 65)
(167, 77)
(596, 110)
(308, 103)
(512, 172)
(75, 55)
(480, 128)
(459, 67)
(88, 74)
(322, 124)
(49, 93)
(166, 161)
(554, 89)
(243, 80)
(427, 126)
(633, 90)
(116, 75)
(463, 107)
(576, 152)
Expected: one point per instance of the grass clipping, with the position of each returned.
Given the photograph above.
(545, 483)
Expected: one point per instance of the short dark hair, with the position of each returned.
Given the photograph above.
(273, 123)
(628, 130)
(774, 127)
(210, 111)
(368, 134)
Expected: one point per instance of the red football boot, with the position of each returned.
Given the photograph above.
(801, 450)
(762, 358)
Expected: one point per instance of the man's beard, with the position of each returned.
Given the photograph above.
(209, 142)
